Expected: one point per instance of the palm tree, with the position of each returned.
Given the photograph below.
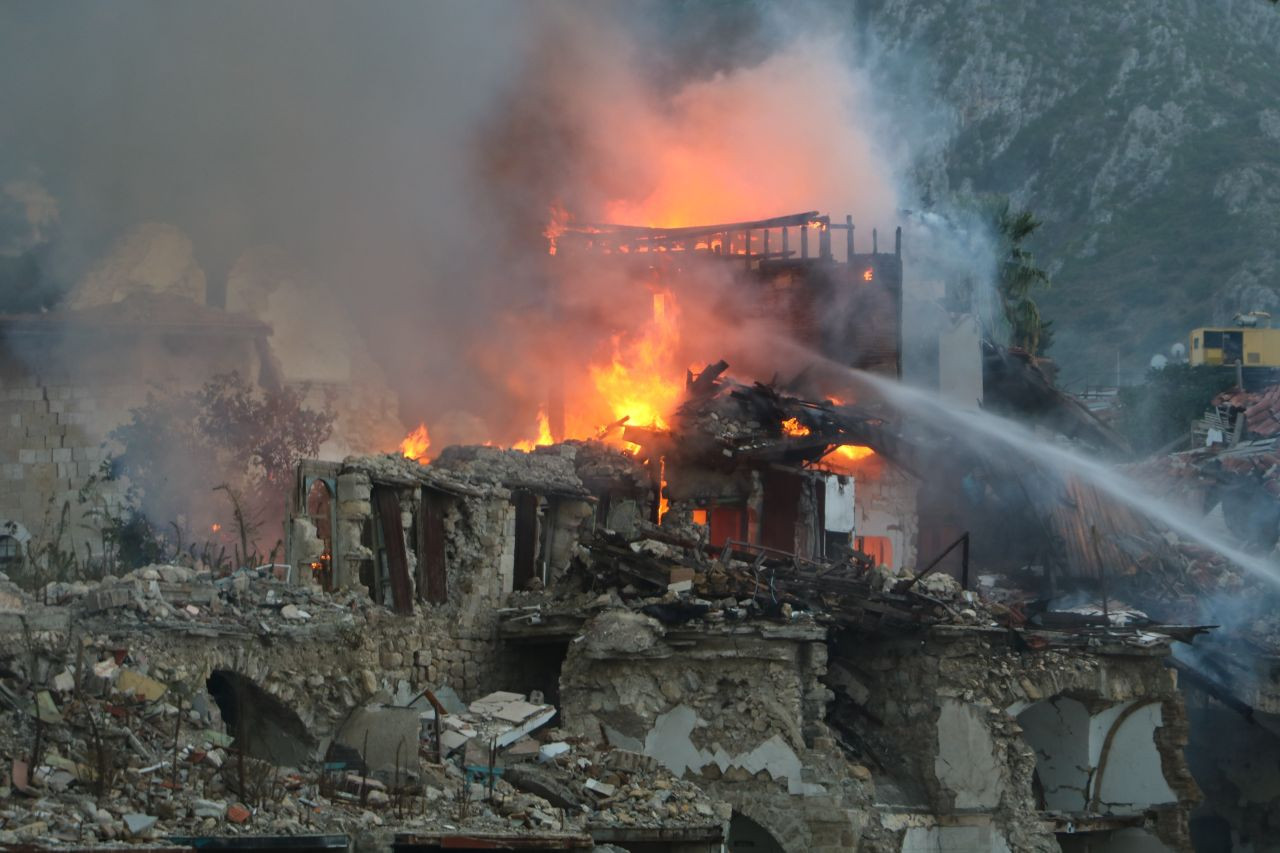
(1017, 276)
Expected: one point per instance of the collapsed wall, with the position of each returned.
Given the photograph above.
(700, 693)
(979, 742)
(738, 708)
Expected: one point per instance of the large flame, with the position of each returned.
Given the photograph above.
(544, 434)
(851, 459)
(793, 427)
(416, 444)
(640, 382)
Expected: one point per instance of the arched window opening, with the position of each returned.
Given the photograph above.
(320, 513)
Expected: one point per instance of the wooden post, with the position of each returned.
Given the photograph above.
(848, 239)
(804, 240)
(824, 241)
(766, 244)
(786, 241)
(875, 243)
(897, 241)
(746, 246)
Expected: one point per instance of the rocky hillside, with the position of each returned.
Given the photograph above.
(1145, 133)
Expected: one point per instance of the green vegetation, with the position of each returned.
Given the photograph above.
(1159, 411)
(1019, 277)
(224, 452)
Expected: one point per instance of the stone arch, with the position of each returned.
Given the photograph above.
(261, 725)
(748, 836)
(320, 508)
(784, 826)
(1096, 757)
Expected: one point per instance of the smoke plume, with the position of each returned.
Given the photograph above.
(406, 159)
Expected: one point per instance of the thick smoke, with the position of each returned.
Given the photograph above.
(598, 130)
(400, 162)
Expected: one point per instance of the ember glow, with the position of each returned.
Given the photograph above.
(852, 452)
(556, 223)
(848, 459)
(416, 444)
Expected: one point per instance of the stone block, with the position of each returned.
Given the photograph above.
(354, 487)
(355, 509)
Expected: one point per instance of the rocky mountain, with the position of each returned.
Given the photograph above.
(1146, 135)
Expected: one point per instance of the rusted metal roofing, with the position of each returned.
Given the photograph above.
(1096, 536)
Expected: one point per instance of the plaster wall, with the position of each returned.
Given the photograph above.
(886, 506)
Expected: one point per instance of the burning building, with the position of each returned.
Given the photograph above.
(694, 611)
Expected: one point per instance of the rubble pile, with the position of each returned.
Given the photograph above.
(549, 468)
(259, 599)
(97, 749)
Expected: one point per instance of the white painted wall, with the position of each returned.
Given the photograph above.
(1132, 840)
(966, 762)
(670, 743)
(1133, 779)
(1068, 742)
(953, 839)
(1058, 731)
(840, 502)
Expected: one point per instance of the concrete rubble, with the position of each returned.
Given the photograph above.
(123, 756)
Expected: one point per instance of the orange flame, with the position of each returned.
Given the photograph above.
(792, 426)
(848, 459)
(415, 444)
(544, 435)
(556, 225)
(852, 452)
(640, 382)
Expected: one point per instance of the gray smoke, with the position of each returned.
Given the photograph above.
(409, 152)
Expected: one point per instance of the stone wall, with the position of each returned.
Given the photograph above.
(738, 708)
(58, 406)
(47, 452)
(939, 721)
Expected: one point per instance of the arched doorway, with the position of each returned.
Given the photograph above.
(261, 725)
(320, 513)
(747, 836)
